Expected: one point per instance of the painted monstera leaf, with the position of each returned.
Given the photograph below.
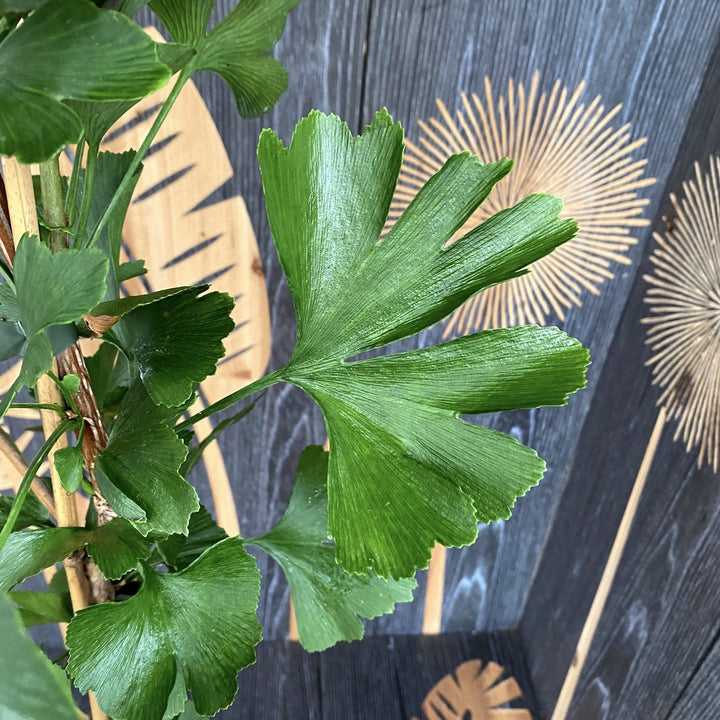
(404, 470)
(475, 691)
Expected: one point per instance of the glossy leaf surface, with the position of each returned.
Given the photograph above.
(404, 470)
(116, 548)
(328, 601)
(200, 622)
(30, 685)
(138, 471)
(174, 343)
(68, 50)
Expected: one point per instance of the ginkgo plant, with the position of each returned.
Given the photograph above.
(161, 604)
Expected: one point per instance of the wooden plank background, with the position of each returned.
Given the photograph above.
(655, 652)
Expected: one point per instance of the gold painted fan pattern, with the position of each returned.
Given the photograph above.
(474, 692)
(684, 321)
(560, 146)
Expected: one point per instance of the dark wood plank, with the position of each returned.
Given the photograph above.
(699, 700)
(633, 52)
(661, 618)
(379, 678)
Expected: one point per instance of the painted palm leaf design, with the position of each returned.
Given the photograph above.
(182, 245)
(474, 692)
(684, 322)
(560, 146)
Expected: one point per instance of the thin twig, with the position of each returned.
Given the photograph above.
(24, 488)
(16, 458)
(7, 246)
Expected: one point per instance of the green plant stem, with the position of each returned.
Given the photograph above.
(9, 396)
(71, 197)
(39, 406)
(15, 457)
(90, 166)
(196, 452)
(135, 164)
(53, 206)
(228, 400)
(33, 467)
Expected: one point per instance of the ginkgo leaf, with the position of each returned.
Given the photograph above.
(69, 466)
(329, 602)
(236, 48)
(179, 551)
(109, 376)
(200, 622)
(41, 608)
(72, 282)
(30, 685)
(20, 6)
(33, 512)
(404, 470)
(174, 343)
(68, 50)
(116, 548)
(137, 473)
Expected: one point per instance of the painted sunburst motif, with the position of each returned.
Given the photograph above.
(560, 146)
(684, 320)
(474, 691)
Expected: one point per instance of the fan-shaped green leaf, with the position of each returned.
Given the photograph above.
(33, 512)
(199, 622)
(236, 48)
(328, 601)
(68, 50)
(30, 685)
(404, 470)
(115, 547)
(137, 473)
(41, 608)
(72, 282)
(179, 551)
(174, 343)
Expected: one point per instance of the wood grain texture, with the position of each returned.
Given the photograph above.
(379, 678)
(656, 639)
(658, 625)
(699, 699)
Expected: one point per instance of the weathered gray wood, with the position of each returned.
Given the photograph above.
(379, 678)
(661, 619)
(631, 51)
(699, 700)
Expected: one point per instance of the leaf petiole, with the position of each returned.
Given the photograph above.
(39, 406)
(184, 76)
(71, 197)
(228, 400)
(91, 164)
